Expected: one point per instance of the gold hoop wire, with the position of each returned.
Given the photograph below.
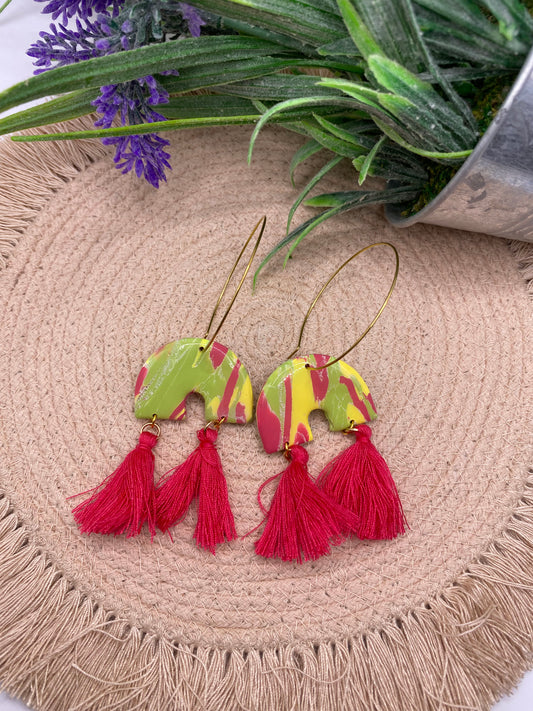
(261, 222)
(370, 325)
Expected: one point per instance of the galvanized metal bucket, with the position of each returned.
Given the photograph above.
(492, 192)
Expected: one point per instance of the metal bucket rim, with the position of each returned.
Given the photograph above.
(392, 211)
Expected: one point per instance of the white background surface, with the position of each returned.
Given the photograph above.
(20, 24)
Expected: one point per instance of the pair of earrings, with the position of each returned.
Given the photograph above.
(354, 494)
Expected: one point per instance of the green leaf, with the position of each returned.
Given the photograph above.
(466, 15)
(458, 31)
(399, 162)
(399, 80)
(66, 107)
(364, 94)
(328, 199)
(369, 159)
(344, 47)
(390, 25)
(344, 202)
(456, 46)
(459, 75)
(310, 185)
(221, 73)
(305, 102)
(357, 198)
(205, 106)
(243, 72)
(433, 108)
(414, 123)
(435, 155)
(391, 167)
(347, 149)
(363, 197)
(513, 18)
(298, 234)
(398, 106)
(152, 59)
(299, 45)
(279, 87)
(435, 71)
(302, 154)
(3, 7)
(462, 13)
(359, 32)
(334, 63)
(259, 106)
(394, 164)
(340, 132)
(310, 22)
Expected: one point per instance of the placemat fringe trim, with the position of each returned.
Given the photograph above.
(460, 650)
(523, 252)
(30, 174)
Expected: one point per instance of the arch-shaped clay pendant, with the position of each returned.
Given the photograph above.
(294, 390)
(182, 367)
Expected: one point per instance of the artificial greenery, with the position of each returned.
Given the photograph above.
(401, 88)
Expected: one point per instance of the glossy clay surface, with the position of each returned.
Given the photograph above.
(183, 367)
(294, 390)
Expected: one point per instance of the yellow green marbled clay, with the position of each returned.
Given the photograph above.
(293, 391)
(180, 368)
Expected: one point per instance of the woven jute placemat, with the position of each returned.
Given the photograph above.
(98, 271)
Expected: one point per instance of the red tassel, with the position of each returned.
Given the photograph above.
(126, 499)
(200, 475)
(301, 519)
(215, 519)
(360, 480)
(175, 491)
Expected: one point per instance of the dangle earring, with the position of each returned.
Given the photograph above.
(128, 498)
(355, 493)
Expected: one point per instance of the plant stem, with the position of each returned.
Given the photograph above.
(138, 129)
(3, 7)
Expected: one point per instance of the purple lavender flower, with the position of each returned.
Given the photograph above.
(63, 45)
(192, 17)
(133, 101)
(107, 34)
(144, 153)
(113, 30)
(82, 8)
